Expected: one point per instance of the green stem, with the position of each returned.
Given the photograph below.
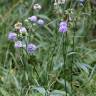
(64, 57)
(72, 64)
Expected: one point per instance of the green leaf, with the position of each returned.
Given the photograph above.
(58, 93)
(62, 82)
(40, 90)
(57, 66)
(93, 72)
(43, 17)
(85, 67)
(4, 92)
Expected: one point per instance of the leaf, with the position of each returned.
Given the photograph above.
(58, 93)
(62, 82)
(43, 17)
(4, 92)
(85, 67)
(92, 72)
(40, 90)
(57, 66)
(26, 76)
(16, 83)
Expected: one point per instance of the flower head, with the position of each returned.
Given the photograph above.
(40, 22)
(33, 18)
(18, 44)
(37, 7)
(12, 36)
(18, 25)
(63, 27)
(23, 30)
(31, 48)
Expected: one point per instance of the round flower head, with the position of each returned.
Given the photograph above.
(23, 30)
(63, 29)
(63, 26)
(31, 48)
(18, 44)
(12, 36)
(33, 18)
(40, 22)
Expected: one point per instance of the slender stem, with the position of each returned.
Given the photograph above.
(64, 57)
(36, 71)
(72, 64)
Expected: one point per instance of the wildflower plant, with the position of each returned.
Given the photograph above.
(47, 56)
(58, 47)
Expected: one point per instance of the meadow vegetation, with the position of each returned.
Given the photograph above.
(47, 48)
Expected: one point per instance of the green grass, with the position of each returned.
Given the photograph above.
(63, 62)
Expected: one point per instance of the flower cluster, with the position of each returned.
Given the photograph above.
(34, 19)
(19, 42)
(63, 27)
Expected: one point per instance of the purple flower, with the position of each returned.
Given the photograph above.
(63, 27)
(33, 18)
(31, 48)
(40, 22)
(18, 44)
(12, 36)
(23, 30)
